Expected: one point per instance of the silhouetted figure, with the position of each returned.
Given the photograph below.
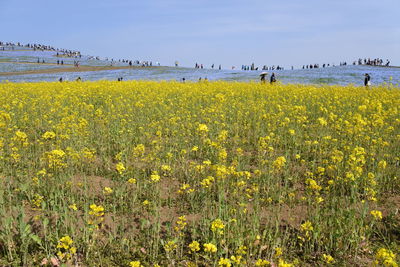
(60, 80)
(263, 75)
(272, 79)
(367, 80)
(79, 79)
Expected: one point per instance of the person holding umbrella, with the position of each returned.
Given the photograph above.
(263, 76)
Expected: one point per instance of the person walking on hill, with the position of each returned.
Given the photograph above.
(263, 75)
(367, 80)
(272, 79)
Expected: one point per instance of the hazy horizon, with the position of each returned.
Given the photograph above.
(211, 32)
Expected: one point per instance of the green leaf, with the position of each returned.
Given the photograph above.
(36, 239)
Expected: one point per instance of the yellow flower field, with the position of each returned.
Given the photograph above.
(198, 174)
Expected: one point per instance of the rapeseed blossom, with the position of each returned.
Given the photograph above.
(120, 168)
(279, 162)
(49, 135)
(217, 226)
(385, 257)
(244, 162)
(135, 264)
(194, 246)
(224, 262)
(202, 128)
(209, 247)
(107, 190)
(65, 249)
(328, 259)
(261, 262)
(155, 177)
(170, 246)
(376, 214)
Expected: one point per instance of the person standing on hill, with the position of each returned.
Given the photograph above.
(273, 78)
(367, 80)
(263, 75)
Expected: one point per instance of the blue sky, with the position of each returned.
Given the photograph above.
(287, 33)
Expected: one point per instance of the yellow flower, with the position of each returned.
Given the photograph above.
(224, 262)
(166, 169)
(155, 177)
(49, 135)
(278, 252)
(139, 150)
(55, 158)
(132, 181)
(328, 259)
(322, 121)
(180, 223)
(209, 247)
(171, 245)
(237, 259)
(65, 242)
(97, 214)
(21, 138)
(377, 214)
(382, 164)
(107, 191)
(307, 226)
(207, 182)
(203, 129)
(135, 264)
(385, 257)
(282, 263)
(279, 162)
(37, 201)
(217, 226)
(120, 168)
(241, 250)
(319, 200)
(261, 262)
(65, 250)
(194, 246)
(312, 184)
(73, 207)
(207, 162)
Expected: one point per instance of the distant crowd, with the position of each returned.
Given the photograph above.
(372, 62)
(200, 66)
(72, 54)
(252, 67)
(41, 47)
